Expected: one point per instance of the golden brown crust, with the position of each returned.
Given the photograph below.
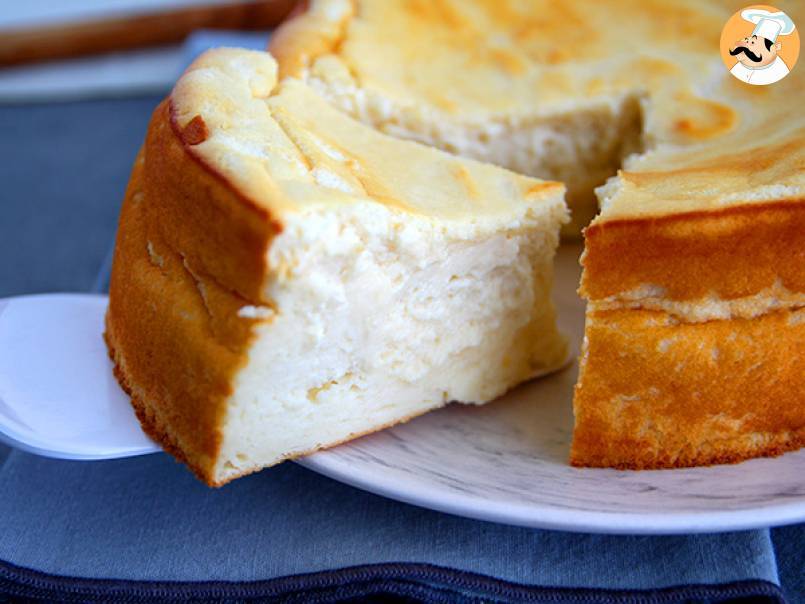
(173, 331)
(732, 252)
(192, 197)
(148, 422)
(654, 393)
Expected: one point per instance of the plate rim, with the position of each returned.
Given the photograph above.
(561, 519)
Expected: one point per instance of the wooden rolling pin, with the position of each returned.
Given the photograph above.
(72, 39)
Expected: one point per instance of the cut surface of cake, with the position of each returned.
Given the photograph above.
(287, 278)
(695, 268)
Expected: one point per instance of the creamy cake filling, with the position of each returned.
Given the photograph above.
(379, 318)
(708, 308)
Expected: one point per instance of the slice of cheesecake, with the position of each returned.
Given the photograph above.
(287, 278)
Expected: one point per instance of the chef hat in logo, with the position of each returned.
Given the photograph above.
(768, 25)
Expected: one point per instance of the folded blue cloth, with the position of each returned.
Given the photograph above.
(146, 526)
(144, 530)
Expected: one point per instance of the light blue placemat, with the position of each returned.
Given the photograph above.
(148, 519)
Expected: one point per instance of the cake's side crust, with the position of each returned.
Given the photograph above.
(656, 393)
(149, 423)
(172, 330)
(731, 252)
(192, 196)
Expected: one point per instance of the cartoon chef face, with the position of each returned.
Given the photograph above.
(755, 51)
(757, 55)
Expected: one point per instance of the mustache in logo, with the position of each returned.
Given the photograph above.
(743, 49)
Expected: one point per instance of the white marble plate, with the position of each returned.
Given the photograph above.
(507, 462)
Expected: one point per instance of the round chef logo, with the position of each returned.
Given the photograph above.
(760, 45)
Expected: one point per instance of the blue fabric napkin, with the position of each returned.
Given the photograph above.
(144, 530)
(145, 527)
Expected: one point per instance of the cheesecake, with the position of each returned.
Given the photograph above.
(694, 269)
(287, 278)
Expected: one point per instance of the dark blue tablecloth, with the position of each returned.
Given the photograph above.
(144, 530)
